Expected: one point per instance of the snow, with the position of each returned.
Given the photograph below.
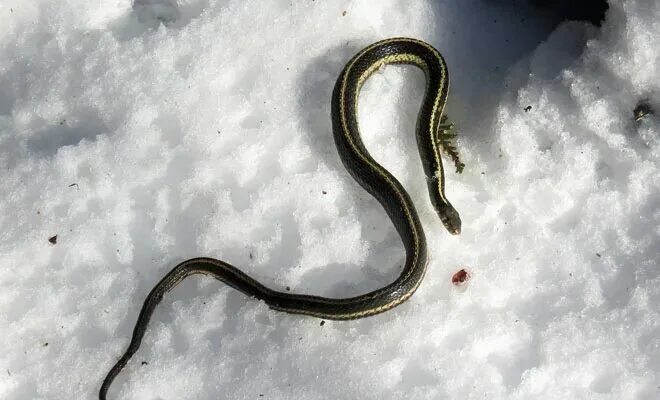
(142, 133)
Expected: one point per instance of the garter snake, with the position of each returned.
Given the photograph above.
(370, 175)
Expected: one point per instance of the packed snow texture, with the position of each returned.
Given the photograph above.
(136, 134)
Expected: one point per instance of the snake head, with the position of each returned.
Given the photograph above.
(450, 219)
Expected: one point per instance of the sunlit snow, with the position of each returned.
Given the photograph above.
(137, 134)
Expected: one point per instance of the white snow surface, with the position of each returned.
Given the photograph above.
(145, 132)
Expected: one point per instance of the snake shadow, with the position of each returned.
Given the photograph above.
(316, 83)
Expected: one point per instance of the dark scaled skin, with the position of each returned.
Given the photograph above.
(371, 176)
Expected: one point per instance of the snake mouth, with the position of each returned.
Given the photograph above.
(452, 228)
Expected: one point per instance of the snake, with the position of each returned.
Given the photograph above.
(373, 177)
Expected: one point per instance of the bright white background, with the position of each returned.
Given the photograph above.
(145, 133)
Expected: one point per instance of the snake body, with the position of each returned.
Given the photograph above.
(370, 175)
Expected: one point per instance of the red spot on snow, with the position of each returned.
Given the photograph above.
(460, 277)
